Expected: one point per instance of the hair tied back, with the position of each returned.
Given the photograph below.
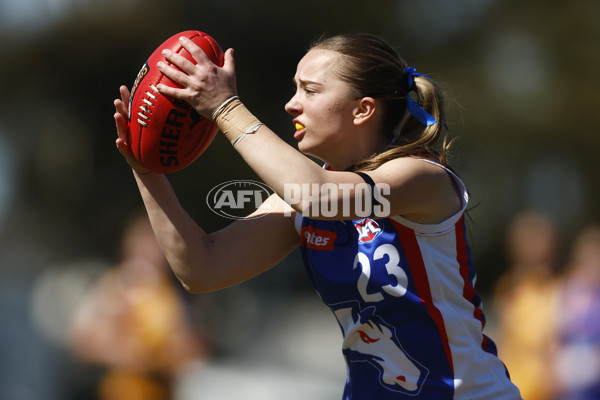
(413, 108)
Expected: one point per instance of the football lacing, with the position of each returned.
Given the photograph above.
(143, 115)
(145, 110)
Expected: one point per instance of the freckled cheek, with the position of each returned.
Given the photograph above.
(326, 117)
(336, 107)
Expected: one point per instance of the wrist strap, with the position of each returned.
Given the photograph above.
(235, 120)
(250, 130)
(220, 108)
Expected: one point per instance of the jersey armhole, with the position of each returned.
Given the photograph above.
(369, 181)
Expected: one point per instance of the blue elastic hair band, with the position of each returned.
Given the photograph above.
(413, 108)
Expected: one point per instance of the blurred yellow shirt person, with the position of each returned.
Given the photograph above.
(526, 303)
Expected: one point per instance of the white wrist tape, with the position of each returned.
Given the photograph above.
(235, 120)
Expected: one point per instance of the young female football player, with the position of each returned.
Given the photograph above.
(380, 224)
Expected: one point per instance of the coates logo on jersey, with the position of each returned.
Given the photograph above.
(317, 239)
(368, 229)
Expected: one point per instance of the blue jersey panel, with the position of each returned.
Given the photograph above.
(392, 346)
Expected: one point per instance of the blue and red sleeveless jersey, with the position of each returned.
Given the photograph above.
(403, 294)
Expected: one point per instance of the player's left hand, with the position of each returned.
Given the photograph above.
(121, 120)
(205, 86)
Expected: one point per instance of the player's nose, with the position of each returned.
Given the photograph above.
(293, 106)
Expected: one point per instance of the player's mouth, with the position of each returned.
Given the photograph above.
(300, 129)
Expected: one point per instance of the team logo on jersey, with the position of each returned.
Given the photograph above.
(317, 239)
(368, 229)
(368, 338)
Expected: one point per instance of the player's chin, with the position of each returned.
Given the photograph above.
(304, 146)
(309, 149)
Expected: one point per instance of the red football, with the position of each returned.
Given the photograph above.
(166, 134)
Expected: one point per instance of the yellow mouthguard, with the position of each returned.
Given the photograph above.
(299, 126)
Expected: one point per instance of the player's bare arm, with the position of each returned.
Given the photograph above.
(206, 262)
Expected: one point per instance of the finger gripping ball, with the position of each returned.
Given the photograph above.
(166, 134)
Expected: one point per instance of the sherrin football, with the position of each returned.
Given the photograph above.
(166, 134)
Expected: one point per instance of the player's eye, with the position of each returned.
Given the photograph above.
(366, 338)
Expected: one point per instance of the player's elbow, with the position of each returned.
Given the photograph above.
(189, 279)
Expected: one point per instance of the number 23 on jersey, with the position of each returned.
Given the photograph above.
(392, 267)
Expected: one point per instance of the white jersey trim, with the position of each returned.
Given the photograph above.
(448, 224)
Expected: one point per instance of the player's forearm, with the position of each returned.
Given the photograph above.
(278, 163)
(184, 244)
(303, 184)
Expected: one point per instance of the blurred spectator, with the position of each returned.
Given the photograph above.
(133, 323)
(525, 299)
(577, 360)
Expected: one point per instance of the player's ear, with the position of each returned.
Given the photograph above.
(364, 110)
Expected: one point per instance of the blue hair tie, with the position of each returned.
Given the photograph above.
(413, 108)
